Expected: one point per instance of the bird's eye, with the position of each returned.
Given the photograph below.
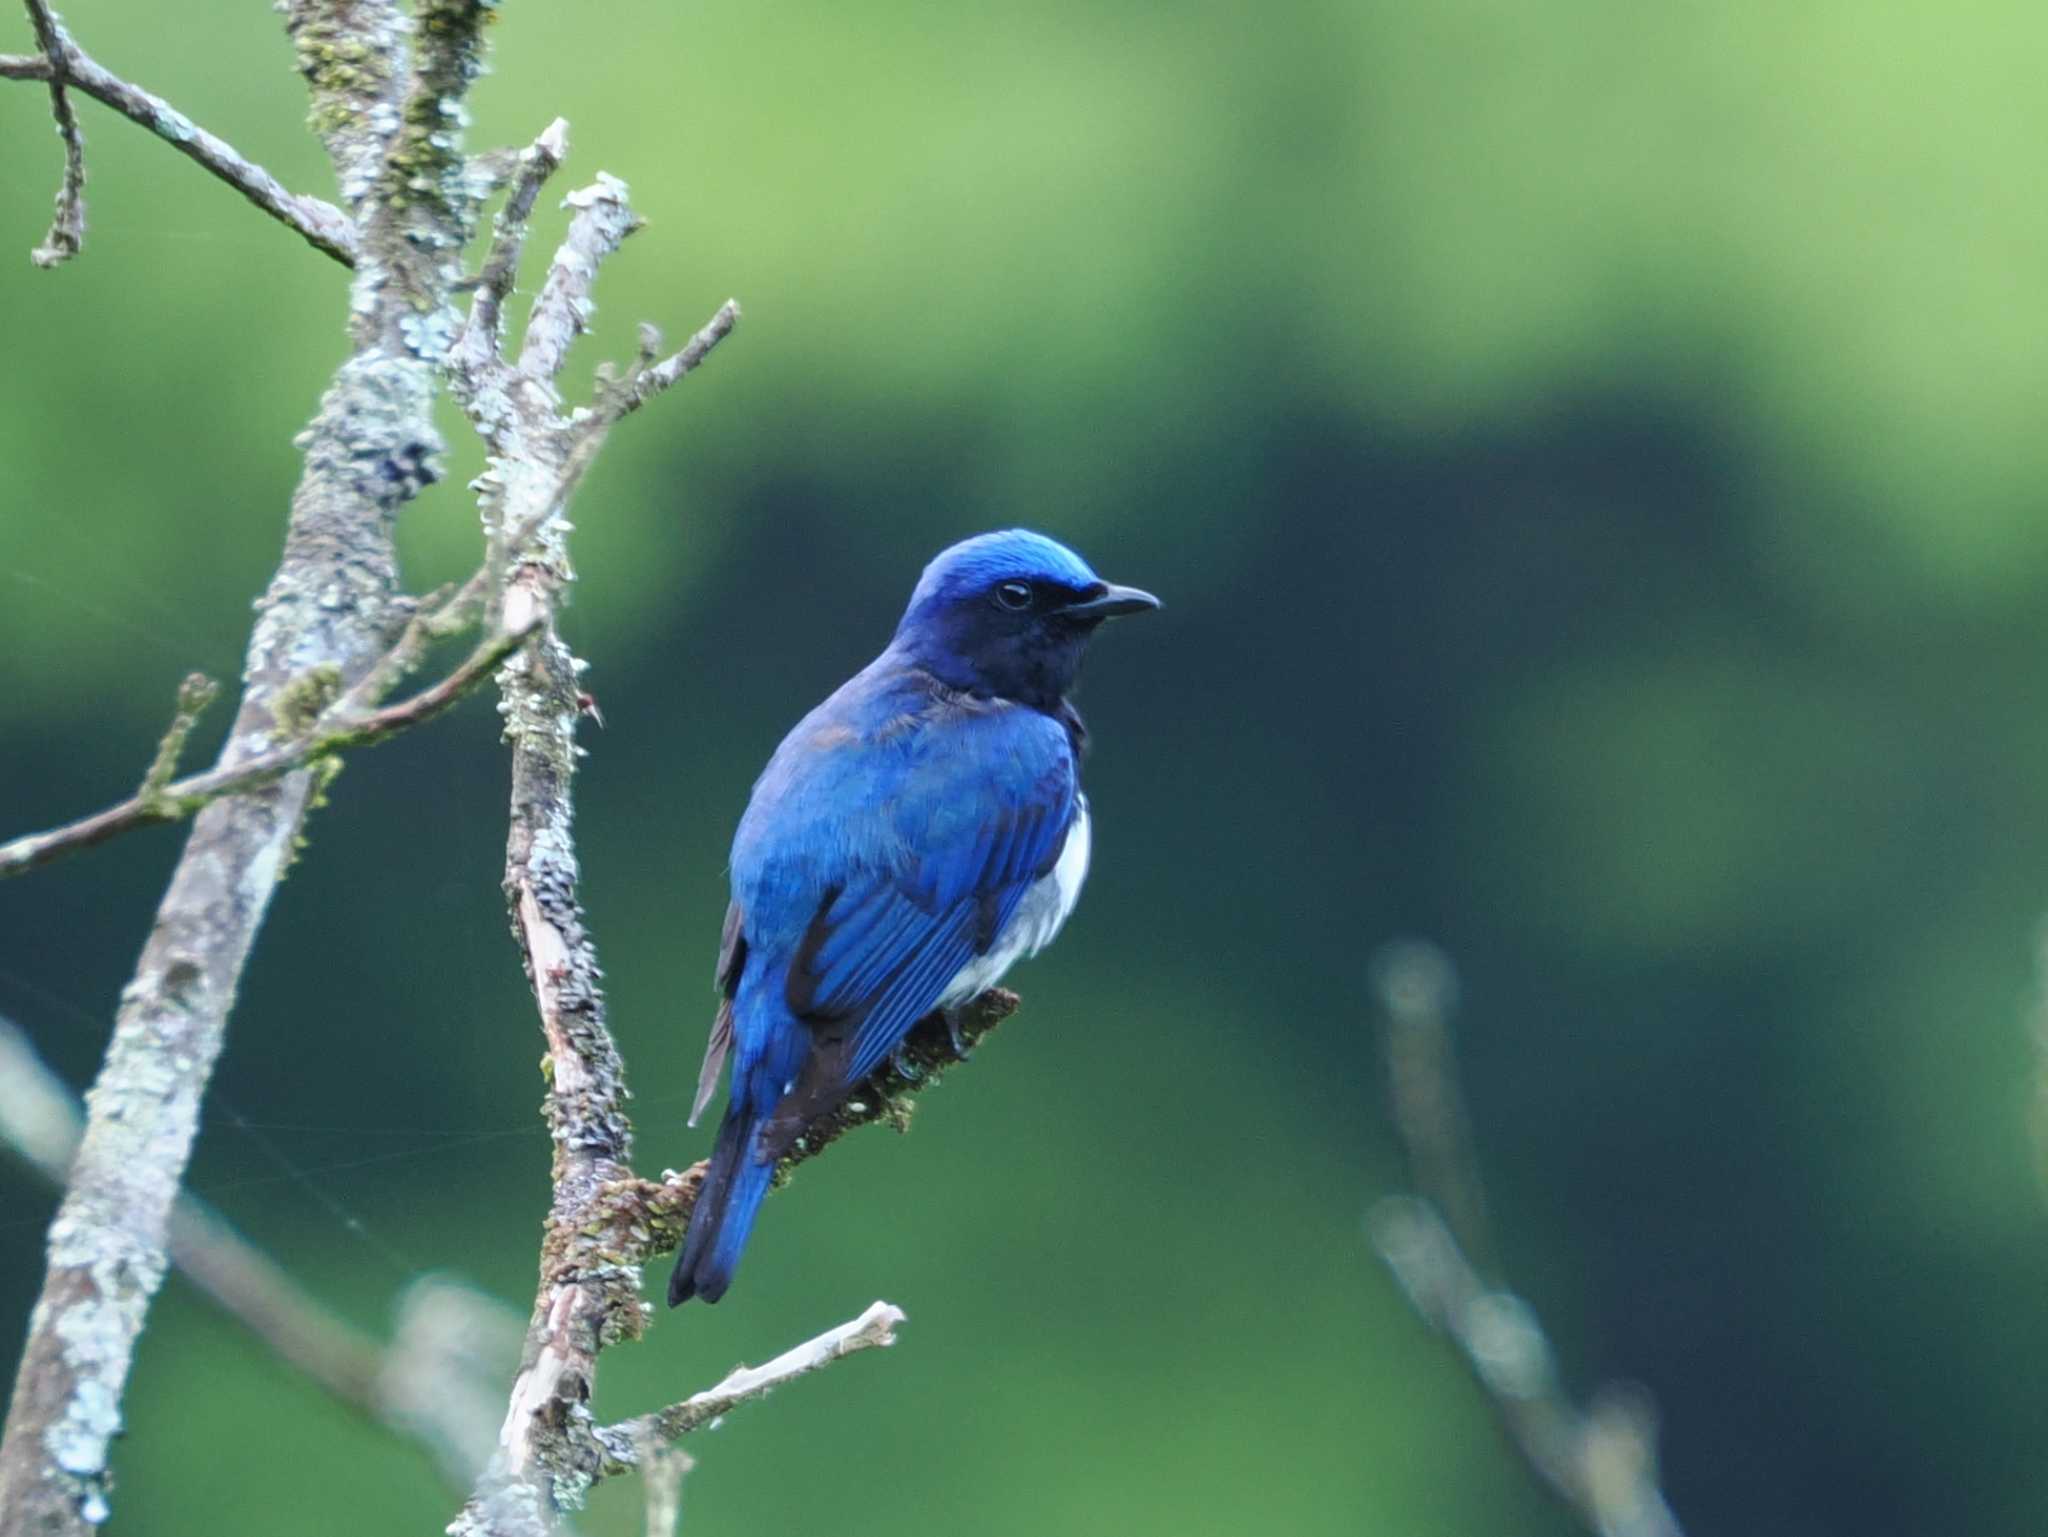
(1013, 595)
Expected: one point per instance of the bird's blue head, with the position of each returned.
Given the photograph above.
(1009, 615)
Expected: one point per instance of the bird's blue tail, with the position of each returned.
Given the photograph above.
(724, 1213)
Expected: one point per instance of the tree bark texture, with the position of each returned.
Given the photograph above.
(332, 609)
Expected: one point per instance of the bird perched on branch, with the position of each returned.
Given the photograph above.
(915, 835)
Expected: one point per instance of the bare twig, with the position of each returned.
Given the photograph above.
(1418, 991)
(874, 1329)
(481, 334)
(67, 229)
(333, 730)
(488, 386)
(1601, 1463)
(325, 227)
(652, 378)
(584, 434)
(662, 1471)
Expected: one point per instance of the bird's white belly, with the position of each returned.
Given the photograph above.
(1038, 917)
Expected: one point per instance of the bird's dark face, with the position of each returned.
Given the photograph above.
(1010, 615)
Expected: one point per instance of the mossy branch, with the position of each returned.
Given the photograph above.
(194, 695)
(322, 730)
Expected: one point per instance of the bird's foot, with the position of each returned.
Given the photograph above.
(961, 1050)
(904, 1067)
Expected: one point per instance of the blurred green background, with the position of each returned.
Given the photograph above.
(1591, 454)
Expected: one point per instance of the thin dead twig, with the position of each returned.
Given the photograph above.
(67, 229)
(322, 225)
(1599, 1462)
(629, 1441)
(651, 378)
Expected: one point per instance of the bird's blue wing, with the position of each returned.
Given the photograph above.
(937, 841)
(883, 950)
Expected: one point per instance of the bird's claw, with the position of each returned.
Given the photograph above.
(961, 1050)
(900, 1061)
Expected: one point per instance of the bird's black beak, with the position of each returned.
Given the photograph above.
(1111, 601)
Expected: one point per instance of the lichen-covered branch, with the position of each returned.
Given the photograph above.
(324, 227)
(424, 204)
(320, 736)
(483, 333)
(352, 54)
(67, 229)
(547, 1452)
(563, 307)
(40, 1121)
(332, 610)
(1599, 1462)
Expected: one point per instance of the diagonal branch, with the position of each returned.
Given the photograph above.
(411, 1388)
(334, 730)
(631, 1441)
(67, 229)
(324, 227)
(563, 307)
(646, 382)
(40, 1120)
(1599, 1462)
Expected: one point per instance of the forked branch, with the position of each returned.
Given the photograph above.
(334, 729)
(66, 66)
